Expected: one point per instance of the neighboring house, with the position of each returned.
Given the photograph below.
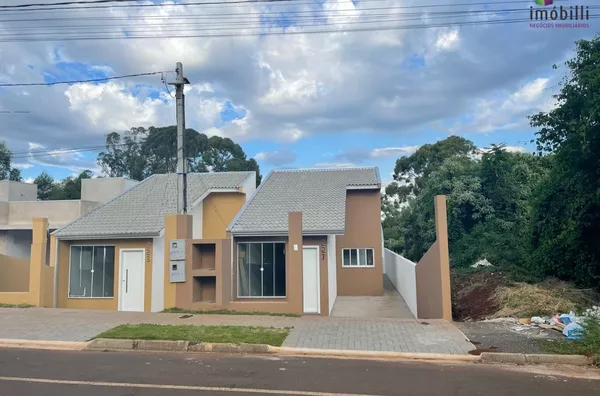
(305, 237)
(114, 257)
(19, 205)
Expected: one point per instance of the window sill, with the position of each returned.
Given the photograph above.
(90, 298)
(359, 266)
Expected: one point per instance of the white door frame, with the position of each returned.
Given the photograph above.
(121, 251)
(316, 249)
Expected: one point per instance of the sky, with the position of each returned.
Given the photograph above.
(416, 74)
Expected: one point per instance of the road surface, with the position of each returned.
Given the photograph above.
(70, 373)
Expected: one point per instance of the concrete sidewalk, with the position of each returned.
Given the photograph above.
(341, 333)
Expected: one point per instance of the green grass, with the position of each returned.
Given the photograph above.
(2, 305)
(227, 312)
(588, 345)
(219, 334)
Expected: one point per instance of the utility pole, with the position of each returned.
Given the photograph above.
(180, 81)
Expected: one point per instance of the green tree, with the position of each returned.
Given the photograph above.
(70, 187)
(143, 152)
(5, 157)
(44, 183)
(15, 175)
(567, 205)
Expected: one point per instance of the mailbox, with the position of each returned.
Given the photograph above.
(177, 271)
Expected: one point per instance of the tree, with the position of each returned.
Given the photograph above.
(69, 188)
(15, 175)
(567, 205)
(5, 157)
(143, 152)
(44, 183)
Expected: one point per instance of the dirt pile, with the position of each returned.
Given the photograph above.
(473, 295)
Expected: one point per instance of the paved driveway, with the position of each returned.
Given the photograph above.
(375, 334)
(390, 305)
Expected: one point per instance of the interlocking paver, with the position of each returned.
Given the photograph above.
(385, 334)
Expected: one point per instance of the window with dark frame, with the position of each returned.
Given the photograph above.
(355, 258)
(92, 272)
(261, 270)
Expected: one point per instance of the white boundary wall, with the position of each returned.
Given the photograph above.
(402, 273)
(157, 302)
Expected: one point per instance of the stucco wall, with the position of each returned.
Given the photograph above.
(102, 303)
(17, 191)
(363, 230)
(104, 189)
(19, 243)
(14, 274)
(402, 273)
(58, 213)
(158, 274)
(218, 211)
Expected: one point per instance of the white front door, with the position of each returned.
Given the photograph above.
(131, 290)
(310, 279)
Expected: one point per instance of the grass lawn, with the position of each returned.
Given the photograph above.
(2, 305)
(588, 345)
(227, 312)
(232, 334)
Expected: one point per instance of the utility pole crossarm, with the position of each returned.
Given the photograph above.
(179, 83)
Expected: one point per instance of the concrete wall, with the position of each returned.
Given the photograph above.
(63, 301)
(19, 243)
(249, 186)
(14, 274)
(104, 189)
(196, 213)
(363, 230)
(58, 213)
(402, 273)
(433, 271)
(218, 211)
(17, 191)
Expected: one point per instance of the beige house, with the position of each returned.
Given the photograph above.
(113, 257)
(19, 205)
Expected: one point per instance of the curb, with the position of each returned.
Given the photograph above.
(524, 358)
(33, 344)
(107, 344)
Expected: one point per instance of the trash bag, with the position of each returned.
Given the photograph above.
(573, 331)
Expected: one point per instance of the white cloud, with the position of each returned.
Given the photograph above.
(277, 157)
(22, 166)
(447, 40)
(393, 151)
(335, 165)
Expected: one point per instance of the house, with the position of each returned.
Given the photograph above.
(19, 205)
(305, 237)
(113, 257)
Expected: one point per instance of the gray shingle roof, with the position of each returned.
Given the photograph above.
(141, 210)
(320, 194)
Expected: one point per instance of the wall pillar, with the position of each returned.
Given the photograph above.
(294, 263)
(37, 285)
(176, 227)
(441, 233)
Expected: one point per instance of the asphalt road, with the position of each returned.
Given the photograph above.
(69, 373)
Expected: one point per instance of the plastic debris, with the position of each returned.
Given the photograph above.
(573, 331)
(538, 320)
(482, 263)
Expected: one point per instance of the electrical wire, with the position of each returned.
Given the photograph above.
(78, 81)
(236, 2)
(66, 3)
(260, 31)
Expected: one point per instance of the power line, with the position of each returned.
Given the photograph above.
(224, 3)
(65, 3)
(262, 32)
(79, 81)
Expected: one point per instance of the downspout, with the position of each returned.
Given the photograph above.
(55, 294)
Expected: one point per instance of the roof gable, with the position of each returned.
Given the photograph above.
(141, 210)
(320, 194)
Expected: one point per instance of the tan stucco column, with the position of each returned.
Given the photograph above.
(37, 285)
(294, 263)
(441, 232)
(176, 227)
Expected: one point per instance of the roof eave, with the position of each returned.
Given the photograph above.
(107, 236)
(263, 233)
(365, 187)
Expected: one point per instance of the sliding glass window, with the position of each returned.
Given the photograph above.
(261, 270)
(92, 271)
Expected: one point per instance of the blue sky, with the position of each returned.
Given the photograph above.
(335, 99)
